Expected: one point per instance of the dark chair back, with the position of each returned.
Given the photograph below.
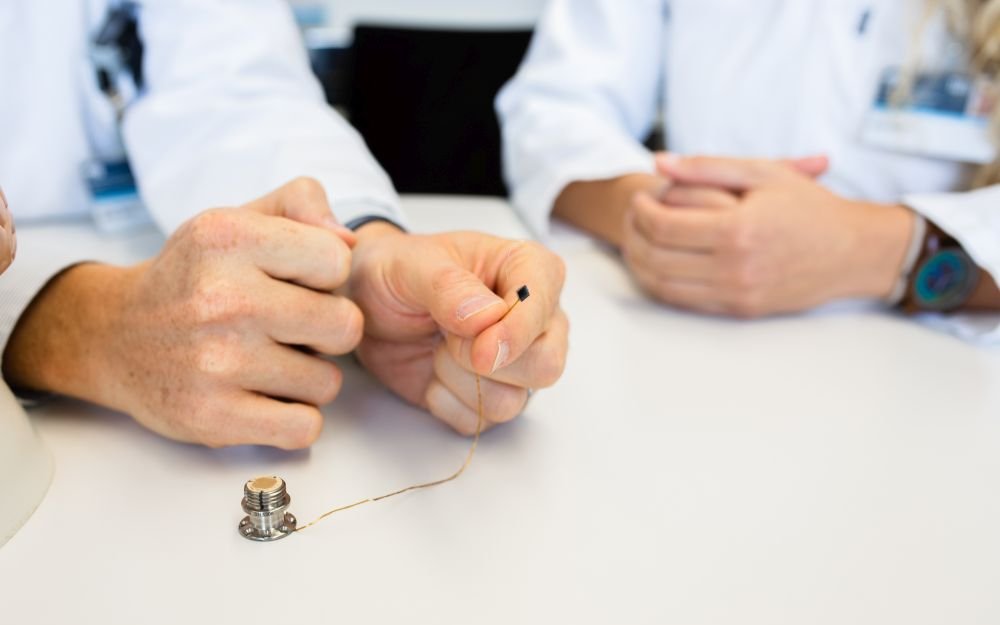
(423, 100)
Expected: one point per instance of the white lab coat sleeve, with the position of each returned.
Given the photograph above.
(582, 101)
(973, 219)
(231, 111)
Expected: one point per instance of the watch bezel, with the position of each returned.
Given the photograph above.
(956, 292)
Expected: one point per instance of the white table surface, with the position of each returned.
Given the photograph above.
(834, 468)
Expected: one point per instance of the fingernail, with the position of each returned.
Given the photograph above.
(475, 305)
(503, 350)
(330, 222)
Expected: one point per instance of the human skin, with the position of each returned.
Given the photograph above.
(749, 237)
(223, 338)
(8, 235)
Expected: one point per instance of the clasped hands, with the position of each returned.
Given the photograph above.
(223, 337)
(749, 238)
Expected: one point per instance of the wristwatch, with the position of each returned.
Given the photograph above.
(945, 276)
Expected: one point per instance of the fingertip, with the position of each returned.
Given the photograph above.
(303, 427)
(667, 162)
(336, 382)
(340, 263)
(637, 196)
(813, 165)
(491, 350)
(443, 404)
(347, 235)
(645, 204)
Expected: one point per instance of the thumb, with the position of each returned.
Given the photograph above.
(303, 200)
(457, 299)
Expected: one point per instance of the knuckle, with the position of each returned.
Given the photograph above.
(349, 322)
(306, 186)
(559, 265)
(697, 163)
(509, 405)
(308, 426)
(739, 236)
(216, 300)
(447, 278)
(338, 259)
(330, 388)
(536, 253)
(550, 368)
(214, 229)
(217, 357)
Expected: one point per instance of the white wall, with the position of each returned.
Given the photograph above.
(498, 13)
(342, 15)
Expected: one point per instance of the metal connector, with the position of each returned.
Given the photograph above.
(265, 500)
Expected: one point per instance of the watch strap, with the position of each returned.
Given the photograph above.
(918, 238)
(941, 253)
(356, 223)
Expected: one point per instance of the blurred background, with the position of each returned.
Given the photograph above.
(418, 79)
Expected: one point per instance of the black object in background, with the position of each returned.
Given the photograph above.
(330, 64)
(423, 100)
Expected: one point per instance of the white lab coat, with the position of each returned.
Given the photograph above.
(766, 78)
(231, 111)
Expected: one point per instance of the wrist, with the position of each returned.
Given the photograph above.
(377, 229)
(600, 206)
(62, 342)
(882, 241)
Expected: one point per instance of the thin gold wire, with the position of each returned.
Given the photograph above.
(465, 465)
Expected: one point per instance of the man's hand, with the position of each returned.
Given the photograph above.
(433, 320)
(8, 238)
(753, 237)
(215, 340)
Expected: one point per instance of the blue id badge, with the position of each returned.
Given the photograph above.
(945, 115)
(114, 197)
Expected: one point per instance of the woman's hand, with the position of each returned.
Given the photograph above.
(753, 237)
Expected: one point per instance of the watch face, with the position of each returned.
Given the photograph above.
(946, 280)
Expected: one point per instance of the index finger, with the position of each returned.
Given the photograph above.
(294, 252)
(303, 200)
(688, 228)
(543, 273)
(728, 173)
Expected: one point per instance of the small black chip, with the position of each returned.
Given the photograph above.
(523, 293)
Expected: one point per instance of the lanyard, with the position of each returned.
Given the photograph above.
(116, 52)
